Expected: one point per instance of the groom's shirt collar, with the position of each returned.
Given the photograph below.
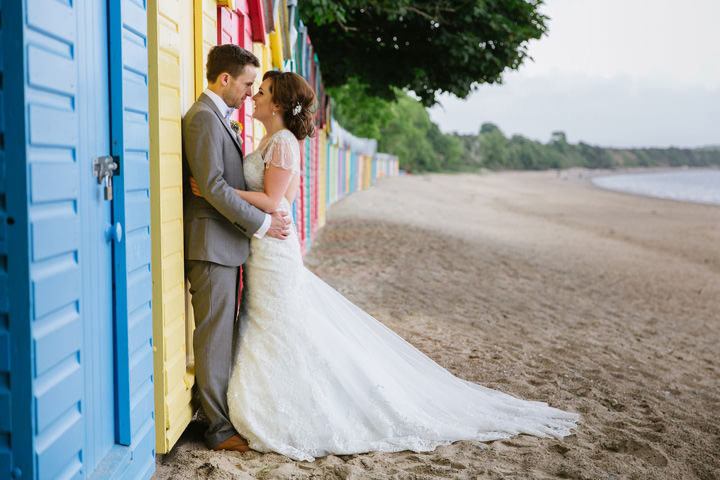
(222, 107)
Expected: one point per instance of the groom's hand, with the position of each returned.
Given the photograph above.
(279, 225)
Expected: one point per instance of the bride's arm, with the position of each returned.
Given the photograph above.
(283, 157)
(277, 180)
(292, 189)
(295, 182)
(280, 178)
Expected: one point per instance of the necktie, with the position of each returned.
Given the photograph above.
(228, 112)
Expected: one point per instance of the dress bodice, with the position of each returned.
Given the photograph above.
(254, 171)
(280, 150)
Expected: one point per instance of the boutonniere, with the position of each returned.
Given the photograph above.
(237, 128)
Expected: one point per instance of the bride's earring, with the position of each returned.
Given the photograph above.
(273, 113)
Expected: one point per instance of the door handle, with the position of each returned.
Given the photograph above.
(115, 232)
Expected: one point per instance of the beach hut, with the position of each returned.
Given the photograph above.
(76, 394)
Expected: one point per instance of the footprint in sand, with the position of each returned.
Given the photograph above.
(446, 462)
(636, 448)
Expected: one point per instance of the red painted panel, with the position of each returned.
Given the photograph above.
(234, 27)
(244, 21)
(257, 20)
(227, 26)
(243, 16)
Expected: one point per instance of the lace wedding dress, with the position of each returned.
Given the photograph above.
(315, 375)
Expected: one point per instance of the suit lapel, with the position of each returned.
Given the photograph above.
(207, 101)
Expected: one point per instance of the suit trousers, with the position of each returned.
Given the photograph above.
(214, 290)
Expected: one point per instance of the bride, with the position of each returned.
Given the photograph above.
(314, 374)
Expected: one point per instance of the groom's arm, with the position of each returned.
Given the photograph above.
(202, 139)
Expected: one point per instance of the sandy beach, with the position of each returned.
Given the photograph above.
(541, 286)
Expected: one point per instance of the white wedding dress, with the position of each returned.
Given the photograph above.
(315, 375)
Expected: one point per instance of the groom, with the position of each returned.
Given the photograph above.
(218, 226)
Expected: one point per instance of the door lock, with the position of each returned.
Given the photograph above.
(104, 169)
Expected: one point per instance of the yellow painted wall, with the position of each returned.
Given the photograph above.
(368, 171)
(171, 85)
(205, 18)
(276, 50)
(187, 98)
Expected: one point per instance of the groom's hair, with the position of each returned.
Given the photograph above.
(228, 58)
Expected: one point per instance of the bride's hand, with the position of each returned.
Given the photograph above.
(194, 187)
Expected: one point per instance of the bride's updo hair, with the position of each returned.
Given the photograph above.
(296, 99)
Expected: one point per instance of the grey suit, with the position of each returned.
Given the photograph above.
(217, 230)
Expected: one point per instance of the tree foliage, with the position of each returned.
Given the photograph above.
(426, 46)
(362, 114)
(403, 127)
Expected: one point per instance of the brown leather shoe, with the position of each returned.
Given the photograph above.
(235, 443)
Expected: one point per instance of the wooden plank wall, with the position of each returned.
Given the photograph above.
(165, 54)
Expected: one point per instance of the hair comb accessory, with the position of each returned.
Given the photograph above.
(296, 109)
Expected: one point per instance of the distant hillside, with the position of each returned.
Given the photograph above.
(491, 149)
(403, 127)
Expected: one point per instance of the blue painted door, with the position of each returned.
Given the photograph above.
(95, 254)
(86, 408)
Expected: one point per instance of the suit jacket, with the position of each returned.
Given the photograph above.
(217, 225)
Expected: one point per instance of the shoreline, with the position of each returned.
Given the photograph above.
(687, 185)
(588, 176)
(591, 300)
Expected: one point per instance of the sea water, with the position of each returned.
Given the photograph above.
(701, 186)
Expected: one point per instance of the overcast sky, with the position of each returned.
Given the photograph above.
(625, 73)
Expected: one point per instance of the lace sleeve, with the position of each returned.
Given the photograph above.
(283, 152)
